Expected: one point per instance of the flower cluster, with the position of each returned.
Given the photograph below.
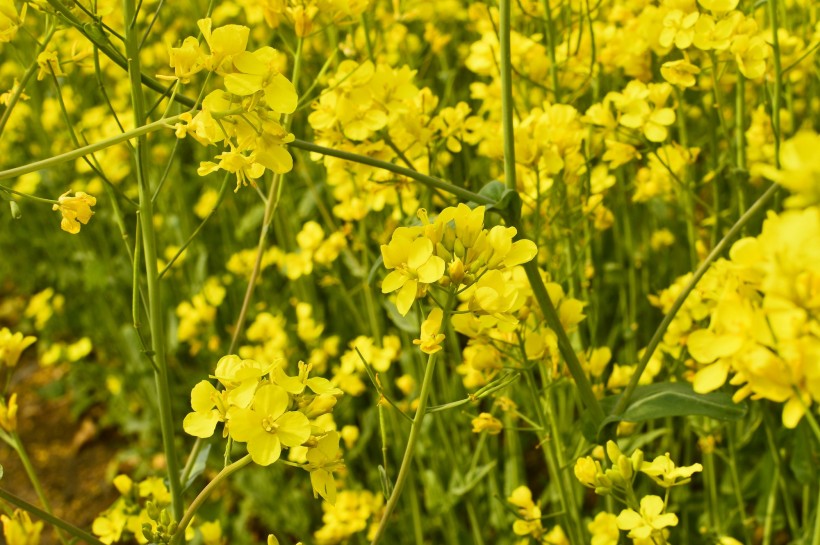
(245, 117)
(645, 522)
(528, 523)
(269, 410)
(455, 250)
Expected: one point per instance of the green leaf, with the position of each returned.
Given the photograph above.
(387, 486)
(664, 400)
(507, 201)
(199, 466)
(460, 486)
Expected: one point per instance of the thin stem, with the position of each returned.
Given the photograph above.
(87, 150)
(17, 444)
(764, 199)
(27, 196)
(48, 517)
(778, 81)
(412, 440)
(226, 472)
(18, 91)
(221, 195)
(429, 181)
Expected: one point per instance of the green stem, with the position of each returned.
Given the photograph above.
(32, 476)
(18, 91)
(87, 150)
(541, 296)
(778, 81)
(506, 94)
(221, 195)
(27, 196)
(226, 472)
(429, 181)
(764, 199)
(79, 533)
(149, 240)
(412, 440)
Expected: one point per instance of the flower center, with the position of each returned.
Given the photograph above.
(269, 424)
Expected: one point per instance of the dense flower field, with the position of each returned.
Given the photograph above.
(414, 272)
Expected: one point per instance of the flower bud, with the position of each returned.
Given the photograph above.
(456, 271)
(15, 210)
(321, 404)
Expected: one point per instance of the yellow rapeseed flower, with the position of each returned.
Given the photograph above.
(75, 210)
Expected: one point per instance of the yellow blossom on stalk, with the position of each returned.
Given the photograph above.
(20, 530)
(681, 72)
(529, 521)
(75, 210)
(8, 414)
(224, 41)
(322, 460)
(750, 53)
(430, 339)
(799, 170)
(12, 346)
(487, 422)
(268, 425)
(663, 471)
(10, 20)
(604, 529)
(246, 167)
(187, 60)
(649, 522)
(643, 107)
(414, 263)
(678, 29)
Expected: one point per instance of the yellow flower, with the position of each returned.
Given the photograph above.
(431, 339)
(649, 522)
(487, 422)
(268, 425)
(800, 169)
(322, 460)
(604, 529)
(8, 414)
(12, 346)
(750, 53)
(75, 210)
(10, 20)
(415, 265)
(678, 29)
(681, 72)
(662, 470)
(19, 530)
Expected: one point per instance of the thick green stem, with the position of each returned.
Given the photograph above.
(149, 241)
(506, 94)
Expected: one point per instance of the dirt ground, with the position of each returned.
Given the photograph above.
(71, 457)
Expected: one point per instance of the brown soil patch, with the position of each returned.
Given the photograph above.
(71, 458)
